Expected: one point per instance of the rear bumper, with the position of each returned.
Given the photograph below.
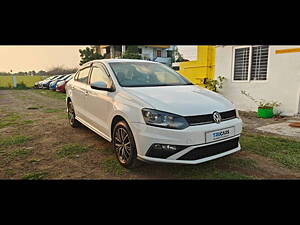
(195, 148)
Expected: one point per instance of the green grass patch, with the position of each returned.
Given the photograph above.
(52, 110)
(71, 149)
(13, 119)
(14, 140)
(51, 94)
(9, 119)
(20, 153)
(27, 121)
(113, 167)
(284, 151)
(28, 81)
(35, 176)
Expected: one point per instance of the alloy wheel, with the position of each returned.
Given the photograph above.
(71, 114)
(122, 145)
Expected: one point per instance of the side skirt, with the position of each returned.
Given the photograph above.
(93, 129)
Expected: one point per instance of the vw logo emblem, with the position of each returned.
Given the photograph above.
(217, 117)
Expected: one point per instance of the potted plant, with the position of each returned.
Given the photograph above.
(265, 109)
(213, 84)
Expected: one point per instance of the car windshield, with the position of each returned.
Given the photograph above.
(144, 74)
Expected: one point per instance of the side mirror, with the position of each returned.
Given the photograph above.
(99, 85)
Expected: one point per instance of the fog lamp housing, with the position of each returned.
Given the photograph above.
(164, 150)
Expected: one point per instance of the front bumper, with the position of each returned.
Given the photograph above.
(193, 138)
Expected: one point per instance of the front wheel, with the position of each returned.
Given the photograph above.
(124, 145)
(71, 115)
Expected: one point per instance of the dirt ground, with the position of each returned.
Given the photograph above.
(40, 124)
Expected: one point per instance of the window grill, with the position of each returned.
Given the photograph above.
(259, 62)
(241, 63)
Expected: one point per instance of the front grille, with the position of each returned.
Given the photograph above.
(208, 118)
(210, 150)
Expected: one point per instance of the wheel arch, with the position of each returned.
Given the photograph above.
(117, 118)
(68, 99)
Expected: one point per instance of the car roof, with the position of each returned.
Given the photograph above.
(116, 60)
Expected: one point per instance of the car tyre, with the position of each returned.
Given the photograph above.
(124, 145)
(71, 115)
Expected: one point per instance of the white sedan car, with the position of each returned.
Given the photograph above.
(151, 113)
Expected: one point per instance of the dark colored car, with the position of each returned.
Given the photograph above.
(39, 84)
(52, 85)
(60, 86)
(46, 83)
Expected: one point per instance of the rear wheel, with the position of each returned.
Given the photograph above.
(71, 115)
(124, 145)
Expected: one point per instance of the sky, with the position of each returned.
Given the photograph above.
(27, 58)
(34, 57)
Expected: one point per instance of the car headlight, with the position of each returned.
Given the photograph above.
(163, 119)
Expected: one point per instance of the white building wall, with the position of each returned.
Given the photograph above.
(150, 52)
(282, 84)
(188, 51)
(147, 51)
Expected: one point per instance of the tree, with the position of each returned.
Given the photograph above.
(60, 70)
(132, 52)
(89, 54)
(41, 73)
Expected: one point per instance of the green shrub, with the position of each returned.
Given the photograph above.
(21, 85)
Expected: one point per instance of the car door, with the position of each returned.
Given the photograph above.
(99, 102)
(79, 92)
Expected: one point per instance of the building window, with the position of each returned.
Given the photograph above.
(158, 53)
(169, 53)
(241, 63)
(140, 50)
(259, 62)
(251, 63)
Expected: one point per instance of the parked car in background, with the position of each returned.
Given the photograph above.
(46, 83)
(151, 113)
(36, 84)
(40, 83)
(52, 85)
(60, 86)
